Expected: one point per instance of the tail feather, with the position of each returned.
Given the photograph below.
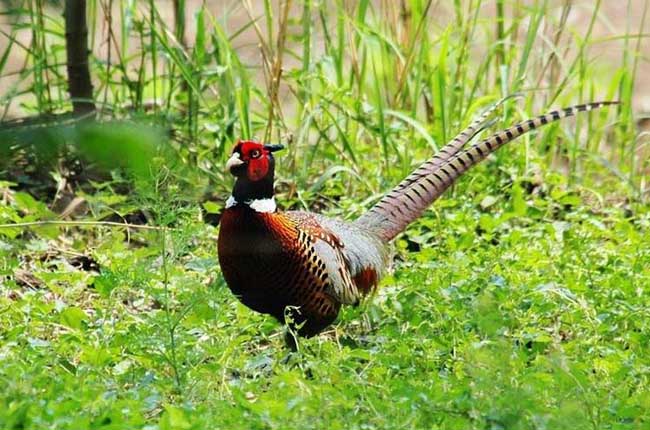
(447, 151)
(407, 201)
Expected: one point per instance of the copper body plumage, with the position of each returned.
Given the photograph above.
(301, 267)
(270, 264)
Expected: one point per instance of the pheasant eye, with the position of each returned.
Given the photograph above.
(255, 153)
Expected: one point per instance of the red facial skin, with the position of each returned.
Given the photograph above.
(256, 158)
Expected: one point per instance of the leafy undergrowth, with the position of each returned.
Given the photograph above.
(517, 302)
(524, 308)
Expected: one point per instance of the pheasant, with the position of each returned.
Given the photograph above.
(301, 267)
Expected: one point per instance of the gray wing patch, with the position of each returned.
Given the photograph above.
(362, 249)
(346, 250)
(341, 285)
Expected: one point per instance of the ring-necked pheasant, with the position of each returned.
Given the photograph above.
(305, 265)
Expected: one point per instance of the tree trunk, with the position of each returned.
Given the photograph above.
(76, 42)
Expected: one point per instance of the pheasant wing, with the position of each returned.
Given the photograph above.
(328, 247)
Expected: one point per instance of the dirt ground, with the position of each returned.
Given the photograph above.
(613, 21)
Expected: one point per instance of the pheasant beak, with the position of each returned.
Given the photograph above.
(234, 161)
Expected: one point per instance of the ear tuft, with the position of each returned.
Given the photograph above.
(274, 147)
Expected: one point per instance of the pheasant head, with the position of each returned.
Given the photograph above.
(253, 166)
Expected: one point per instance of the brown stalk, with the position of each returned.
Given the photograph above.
(401, 81)
(76, 40)
(276, 72)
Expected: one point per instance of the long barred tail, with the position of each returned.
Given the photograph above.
(447, 151)
(406, 202)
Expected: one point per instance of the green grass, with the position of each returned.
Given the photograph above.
(525, 314)
(518, 301)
